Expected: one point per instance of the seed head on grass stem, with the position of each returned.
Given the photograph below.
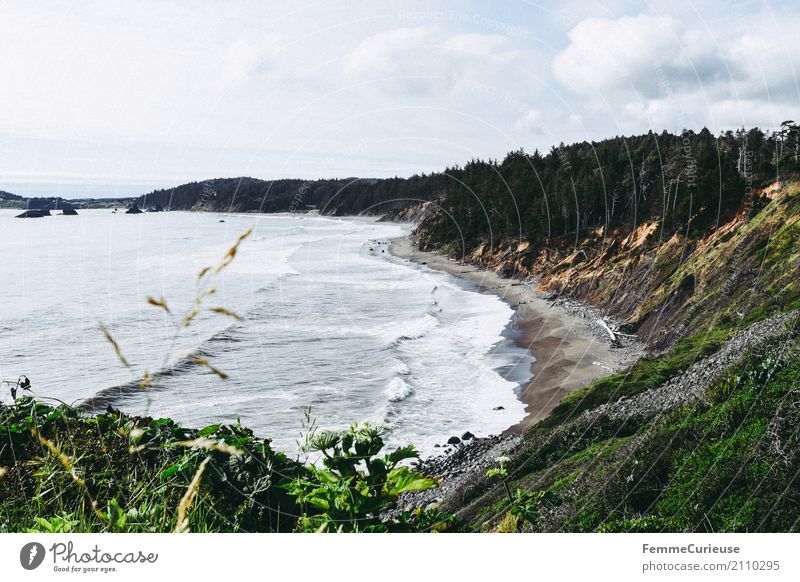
(182, 525)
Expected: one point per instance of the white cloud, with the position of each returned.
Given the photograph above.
(769, 59)
(606, 55)
(491, 46)
(531, 122)
(252, 56)
(657, 72)
(426, 59)
(386, 52)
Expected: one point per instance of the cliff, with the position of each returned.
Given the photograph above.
(663, 285)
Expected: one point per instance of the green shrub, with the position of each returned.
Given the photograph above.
(355, 484)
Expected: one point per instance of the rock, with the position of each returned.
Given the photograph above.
(467, 436)
(499, 408)
(33, 214)
(453, 440)
(133, 209)
(69, 211)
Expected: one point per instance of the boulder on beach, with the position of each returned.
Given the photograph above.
(453, 440)
(467, 436)
(133, 209)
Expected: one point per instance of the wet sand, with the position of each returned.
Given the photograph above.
(569, 352)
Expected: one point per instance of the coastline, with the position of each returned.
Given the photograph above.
(569, 349)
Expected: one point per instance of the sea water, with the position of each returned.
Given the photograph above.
(334, 329)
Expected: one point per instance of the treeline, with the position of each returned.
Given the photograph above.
(9, 196)
(9, 200)
(346, 196)
(689, 182)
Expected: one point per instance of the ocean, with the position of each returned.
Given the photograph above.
(334, 329)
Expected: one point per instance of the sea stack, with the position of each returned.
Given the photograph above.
(33, 214)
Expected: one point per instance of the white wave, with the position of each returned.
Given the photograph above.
(400, 368)
(405, 330)
(398, 390)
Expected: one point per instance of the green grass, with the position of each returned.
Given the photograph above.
(726, 462)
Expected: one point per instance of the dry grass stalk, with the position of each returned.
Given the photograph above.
(144, 383)
(231, 254)
(61, 456)
(182, 525)
(115, 345)
(228, 312)
(205, 363)
(194, 311)
(161, 302)
(210, 445)
(69, 467)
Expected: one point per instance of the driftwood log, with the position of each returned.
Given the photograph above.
(614, 339)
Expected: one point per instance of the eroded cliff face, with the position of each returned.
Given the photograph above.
(412, 213)
(666, 287)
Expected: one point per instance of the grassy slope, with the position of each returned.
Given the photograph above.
(727, 462)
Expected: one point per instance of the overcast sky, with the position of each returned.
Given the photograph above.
(113, 98)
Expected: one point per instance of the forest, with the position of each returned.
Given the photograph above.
(690, 183)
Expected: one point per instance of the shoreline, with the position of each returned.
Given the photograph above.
(569, 349)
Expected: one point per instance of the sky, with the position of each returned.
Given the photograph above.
(117, 98)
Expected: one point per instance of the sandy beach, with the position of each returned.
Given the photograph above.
(569, 349)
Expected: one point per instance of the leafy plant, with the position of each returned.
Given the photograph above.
(524, 505)
(57, 524)
(355, 484)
